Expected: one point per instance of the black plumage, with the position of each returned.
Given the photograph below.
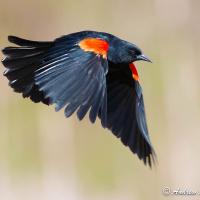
(84, 72)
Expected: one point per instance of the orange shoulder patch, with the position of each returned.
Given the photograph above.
(134, 71)
(96, 45)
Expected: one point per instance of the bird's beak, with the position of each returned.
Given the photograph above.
(143, 57)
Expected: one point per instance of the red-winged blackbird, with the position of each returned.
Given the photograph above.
(85, 72)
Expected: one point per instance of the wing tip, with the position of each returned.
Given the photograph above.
(150, 159)
(12, 38)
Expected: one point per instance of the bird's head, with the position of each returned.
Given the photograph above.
(121, 51)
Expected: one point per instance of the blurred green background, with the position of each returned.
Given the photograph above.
(46, 157)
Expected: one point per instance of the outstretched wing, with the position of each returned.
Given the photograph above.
(125, 111)
(69, 72)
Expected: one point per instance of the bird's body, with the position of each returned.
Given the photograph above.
(85, 72)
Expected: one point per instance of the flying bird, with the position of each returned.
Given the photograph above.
(85, 72)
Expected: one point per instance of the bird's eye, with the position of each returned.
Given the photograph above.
(132, 51)
(135, 51)
(138, 52)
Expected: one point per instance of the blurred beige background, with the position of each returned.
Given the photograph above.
(46, 157)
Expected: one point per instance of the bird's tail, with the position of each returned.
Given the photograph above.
(21, 62)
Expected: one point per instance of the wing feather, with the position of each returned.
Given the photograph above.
(126, 115)
(74, 79)
(59, 72)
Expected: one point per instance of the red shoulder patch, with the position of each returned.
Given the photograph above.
(134, 71)
(95, 45)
